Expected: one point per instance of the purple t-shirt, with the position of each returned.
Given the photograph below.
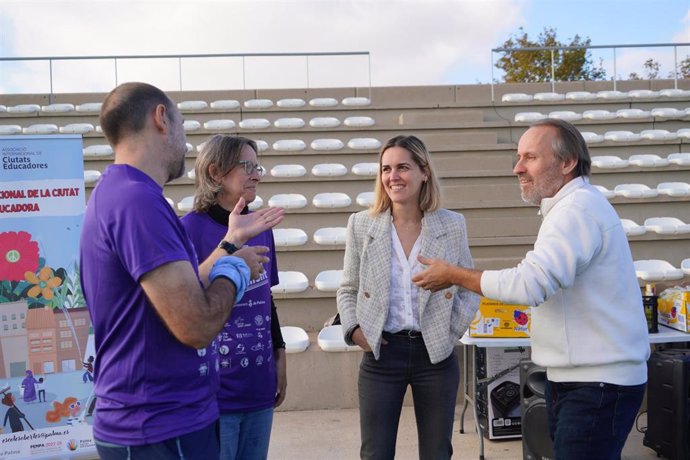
(150, 387)
(247, 367)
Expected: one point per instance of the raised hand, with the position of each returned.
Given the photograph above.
(242, 227)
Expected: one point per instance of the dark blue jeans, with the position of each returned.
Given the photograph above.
(591, 420)
(198, 445)
(382, 385)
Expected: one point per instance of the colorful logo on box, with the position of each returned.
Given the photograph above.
(520, 317)
(72, 444)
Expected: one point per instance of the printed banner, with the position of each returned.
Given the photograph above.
(46, 340)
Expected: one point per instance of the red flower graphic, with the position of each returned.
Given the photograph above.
(18, 255)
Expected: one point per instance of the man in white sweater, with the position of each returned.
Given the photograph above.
(588, 324)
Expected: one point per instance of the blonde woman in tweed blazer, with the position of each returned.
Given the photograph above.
(408, 334)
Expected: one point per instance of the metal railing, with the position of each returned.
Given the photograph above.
(183, 57)
(553, 49)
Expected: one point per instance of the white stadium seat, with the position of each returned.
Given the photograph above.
(261, 145)
(190, 125)
(517, 97)
(329, 170)
(323, 102)
(683, 133)
(635, 191)
(295, 338)
(680, 159)
(592, 138)
(580, 96)
(254, 123)
(289, 123)
(364, 143)
(258, 103)
(256, 204)
(643, 94)
(288, 200)
(598, 115)
(200, 147)
(567, 115)
(186, 204)
(355, 101)
(91, 176)
(219, 125)
(656, 270)
(24, 108)
(192, 105)
(328, 280)
(331, 339)
(77, 128)
(611, 95)
(609, 162)
(331, 200)
(658, 135)
(225, 104)
(289, 145)
(365, 199)
(57, 108)
(10, 129)
(366, 169)
(666, 225)
(359, 122)
(99, 150)
(668, 112)
(674, 188)
(191, 174)
(648, 161)
(548, 96)
(189, 146)
(327, 144)
(528, 117)
(290, 103)
(633, 114)
(291, 282)
(170, 202)
(324, 122)
(330, 235)
(632, 228)
(41, 128)
(89, 107)
(289, 237)
(673, 92)
(291, 170)
(3, 108)
(621, 136)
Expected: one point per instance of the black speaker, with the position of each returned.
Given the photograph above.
(536, 442)
(668, 404)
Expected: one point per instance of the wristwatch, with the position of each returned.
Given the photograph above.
(227, 246)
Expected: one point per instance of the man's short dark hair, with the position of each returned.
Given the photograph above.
(568, 144)
(125, 109)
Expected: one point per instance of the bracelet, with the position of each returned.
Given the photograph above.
(236, 270)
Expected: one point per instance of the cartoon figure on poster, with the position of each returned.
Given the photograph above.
(29, 387)
(13, 414)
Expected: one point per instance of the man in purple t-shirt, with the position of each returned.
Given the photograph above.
(154, 311)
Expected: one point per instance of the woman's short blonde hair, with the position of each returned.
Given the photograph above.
(223, 152)
(429, 194)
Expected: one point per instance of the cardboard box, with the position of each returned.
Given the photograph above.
(496, 319)
(673, 310)
(500, 413)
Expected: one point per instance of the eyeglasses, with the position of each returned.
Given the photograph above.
(250, 167)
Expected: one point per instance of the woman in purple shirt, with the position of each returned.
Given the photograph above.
(251, 347)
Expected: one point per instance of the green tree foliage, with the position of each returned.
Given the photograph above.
(535, 66)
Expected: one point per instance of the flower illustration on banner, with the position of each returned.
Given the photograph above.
(18, 255)
(43, 284)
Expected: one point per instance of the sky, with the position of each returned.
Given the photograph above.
(410, 42)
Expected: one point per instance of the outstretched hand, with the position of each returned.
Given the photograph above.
(242, 227)
(436, 276)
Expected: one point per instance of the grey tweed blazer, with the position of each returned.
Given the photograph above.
(364, 293)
